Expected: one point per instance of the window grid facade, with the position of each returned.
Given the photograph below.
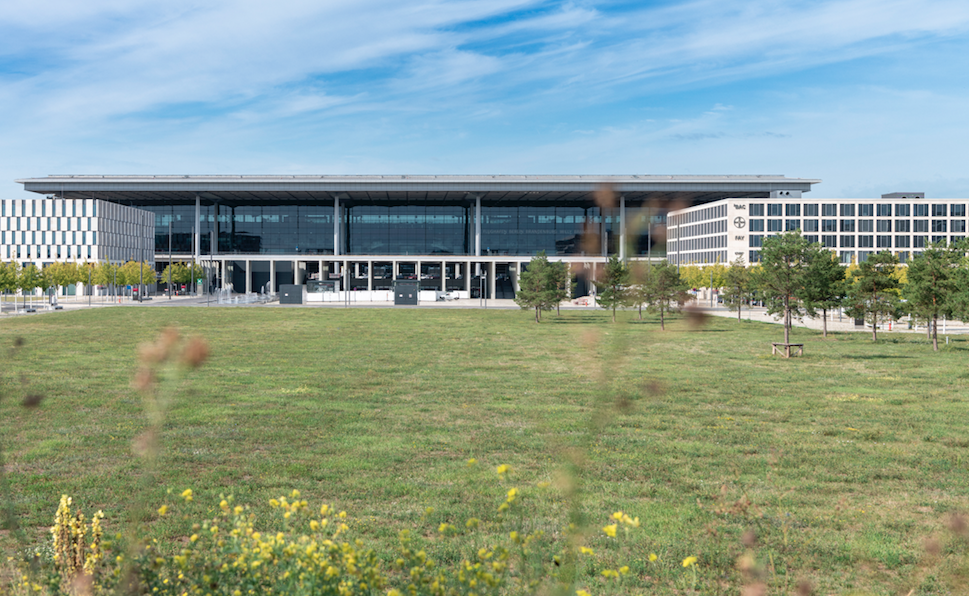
(44, 230)
(844, 226)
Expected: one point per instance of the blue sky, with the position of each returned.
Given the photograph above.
(871, 96)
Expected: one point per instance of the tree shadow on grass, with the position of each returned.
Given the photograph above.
(873, 356)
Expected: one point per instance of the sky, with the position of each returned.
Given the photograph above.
(870, 96)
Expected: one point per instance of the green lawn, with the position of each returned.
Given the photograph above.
(842, 462)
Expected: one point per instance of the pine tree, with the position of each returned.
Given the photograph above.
(614, 289)
(663, 290)
(936, 285)
(824, 285)
(539, 286)
(780, 277)
(873, 293)
(737, 286)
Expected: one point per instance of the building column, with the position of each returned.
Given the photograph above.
(248, 276)
(222, 277)
(467, 278)
(622, 227)
(477, 226)
(602, 232)
(370, 276)
(443, 276)
(296, 273)
(491, 280)
(346, 276)
(197, 249)
(336, 225)
(272, 277)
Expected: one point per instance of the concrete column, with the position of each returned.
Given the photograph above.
(197, 249)
(622, 227)
(223, 276)
(491, 280)
(370, 276)
(248, 276)
(319, 269)
(336, 225)
(477, 226)
(443, 276)
(602, 231)
(467, 278)
(394, 270)
(272, 276)
(514, 280)
(296, 280)
(346, 275)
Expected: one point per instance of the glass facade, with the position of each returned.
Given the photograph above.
(405, 229)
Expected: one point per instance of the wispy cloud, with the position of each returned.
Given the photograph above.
(377, 76)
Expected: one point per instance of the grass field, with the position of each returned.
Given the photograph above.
(844, 463)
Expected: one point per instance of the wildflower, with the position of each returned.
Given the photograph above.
(582, 593)
(224, 505)
(512, 494)
(652, 557)
(503, 469)
(607, 573)
(273, 503)
(163, 510)
(586, 551)
(314, 525)
(472, 522)
(472, 461)
(187, 494)
(689, 561)
(624, 570)
(610, 530)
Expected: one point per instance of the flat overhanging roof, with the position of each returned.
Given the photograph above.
(161, 190)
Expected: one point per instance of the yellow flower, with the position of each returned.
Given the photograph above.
(652, 557)
(689, 561)
(194, 537)
(586, 551)
(314, 525)
(273, 503)
(163, 510)
(223, 504)
(503, 469)
(610, 530)
(187, 494)
(624, 570)
(617, 516)
(473, 522)
(609, 573)
(582, 593)
(472, 461)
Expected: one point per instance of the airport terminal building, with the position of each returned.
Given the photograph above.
(464, 234)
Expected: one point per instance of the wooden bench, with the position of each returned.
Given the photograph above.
(787, 349)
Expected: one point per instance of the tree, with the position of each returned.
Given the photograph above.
(9, 273)
(539, 286)
(936, 285)
(613, 291)
(564, 284)
(663, 290)
(103, 273)
(30, 279)
(737, 286)
(824, 285)
(784, 260)
(873, 293)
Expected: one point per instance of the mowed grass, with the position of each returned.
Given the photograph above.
(842, 462)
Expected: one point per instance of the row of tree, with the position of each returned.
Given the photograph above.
(795, 278)
(656, 286)
(29, 277)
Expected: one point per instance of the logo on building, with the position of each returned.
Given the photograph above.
(739, 222)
